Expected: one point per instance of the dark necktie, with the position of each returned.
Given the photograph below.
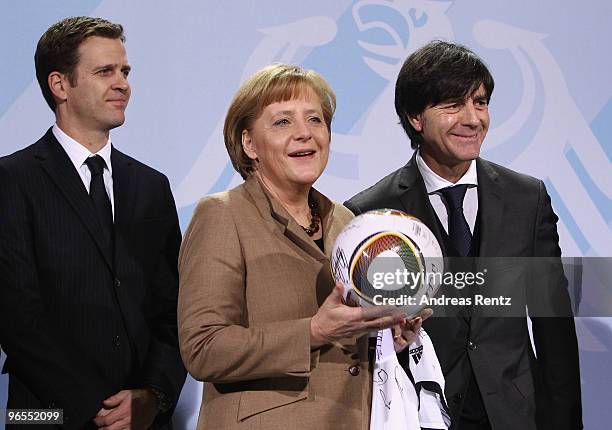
(458, 228)
(97, 192)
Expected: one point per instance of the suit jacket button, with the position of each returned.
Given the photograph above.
(457, 397)
(472, 346)
(117, 342)
(117, 283)
(354, 370)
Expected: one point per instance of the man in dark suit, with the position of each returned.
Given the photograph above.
(479, 209)
(89, 243)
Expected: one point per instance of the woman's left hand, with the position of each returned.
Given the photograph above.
(407, 331)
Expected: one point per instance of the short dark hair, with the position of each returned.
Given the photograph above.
(437, 72)
(57, 49)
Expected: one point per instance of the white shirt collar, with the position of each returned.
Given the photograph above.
(434, 182)
(78, 153)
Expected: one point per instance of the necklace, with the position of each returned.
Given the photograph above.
(315, 218)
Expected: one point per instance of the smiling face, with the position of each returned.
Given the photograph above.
(290, 143)
(100, 94)
(453, 132)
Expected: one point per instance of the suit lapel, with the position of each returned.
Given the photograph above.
(491, 208)
(415, 201)
(124, 188)
(278, 219)
(60, 169)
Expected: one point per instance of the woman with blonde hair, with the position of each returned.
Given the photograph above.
(260, 320)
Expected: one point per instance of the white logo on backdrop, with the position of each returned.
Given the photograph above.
(378, 144)
(378, 140)
(561, 129)
(284, 43)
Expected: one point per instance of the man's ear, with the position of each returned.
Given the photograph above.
(57, 83)
(416, 121)
(247, 145)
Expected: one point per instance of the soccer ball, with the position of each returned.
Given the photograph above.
(387, 257)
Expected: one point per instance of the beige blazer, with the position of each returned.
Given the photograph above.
(250, 280)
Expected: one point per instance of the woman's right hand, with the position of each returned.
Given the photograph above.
(335, 320)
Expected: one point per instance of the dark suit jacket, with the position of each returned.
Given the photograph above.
(79, 320)
(516, 220)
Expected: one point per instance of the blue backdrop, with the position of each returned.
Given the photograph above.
(551, 110)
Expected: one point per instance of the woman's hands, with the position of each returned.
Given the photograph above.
(335, 320)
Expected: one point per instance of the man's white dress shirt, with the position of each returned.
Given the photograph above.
(434, 183)
(78, 154)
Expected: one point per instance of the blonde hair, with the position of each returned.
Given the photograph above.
(274, 83)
